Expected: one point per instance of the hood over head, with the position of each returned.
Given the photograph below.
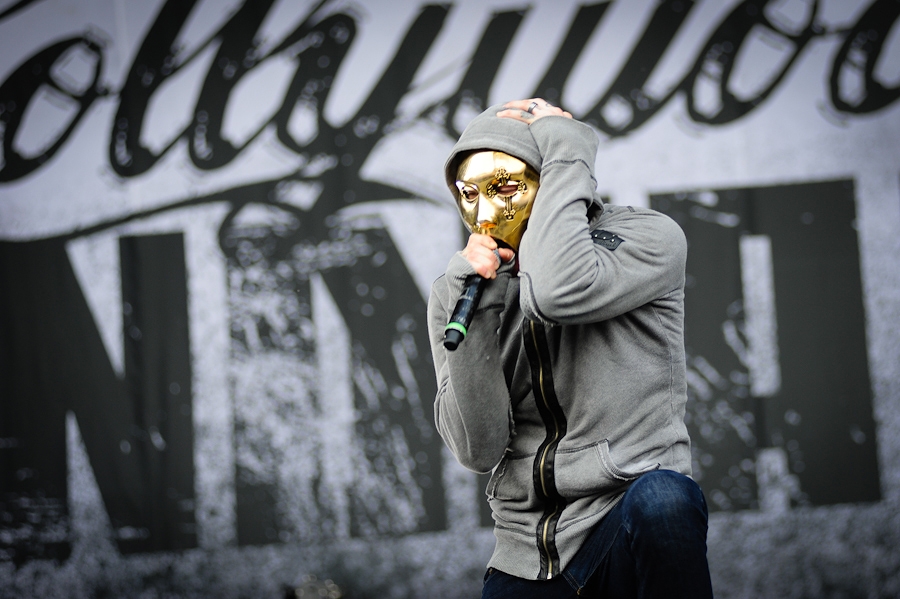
(487, 131)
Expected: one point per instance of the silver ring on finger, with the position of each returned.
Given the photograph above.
(531, 107)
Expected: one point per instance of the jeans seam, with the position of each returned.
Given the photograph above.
(571, 580)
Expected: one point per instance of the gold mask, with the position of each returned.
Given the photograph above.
(496, 193)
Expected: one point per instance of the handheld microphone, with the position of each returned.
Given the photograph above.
(458, 326)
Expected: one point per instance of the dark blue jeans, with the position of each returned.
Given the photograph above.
(652, 544)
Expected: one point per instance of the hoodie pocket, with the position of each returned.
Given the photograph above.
(512, 479)
(591, 470)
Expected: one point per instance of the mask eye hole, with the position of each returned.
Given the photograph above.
(508, 189)
(467, 192)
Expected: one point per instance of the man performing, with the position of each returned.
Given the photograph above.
(570, 384)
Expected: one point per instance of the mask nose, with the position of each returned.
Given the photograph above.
(486, 216)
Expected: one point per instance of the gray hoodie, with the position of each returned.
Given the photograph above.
(571, 381)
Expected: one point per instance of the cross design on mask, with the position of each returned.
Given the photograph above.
(501, 179)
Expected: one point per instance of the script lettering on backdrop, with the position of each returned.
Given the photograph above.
(238, 54)
(362, 269)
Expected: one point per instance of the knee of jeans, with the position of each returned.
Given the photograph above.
(665, 496)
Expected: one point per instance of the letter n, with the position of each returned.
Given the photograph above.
(137, 431)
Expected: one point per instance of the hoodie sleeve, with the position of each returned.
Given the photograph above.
(566, 277)
(472, 406)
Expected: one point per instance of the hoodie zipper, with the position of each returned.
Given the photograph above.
(555, 424)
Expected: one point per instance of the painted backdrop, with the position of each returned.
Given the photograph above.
(219, 222)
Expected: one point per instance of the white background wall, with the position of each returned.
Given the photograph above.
(794, 136)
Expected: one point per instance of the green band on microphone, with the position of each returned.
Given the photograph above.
(456, 326)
